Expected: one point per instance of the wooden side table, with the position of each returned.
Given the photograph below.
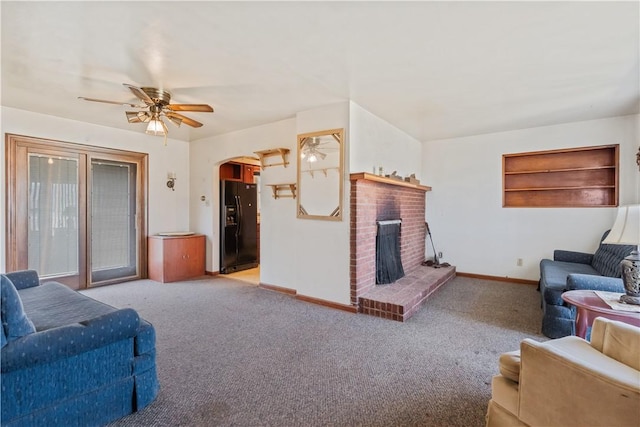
(589, 306)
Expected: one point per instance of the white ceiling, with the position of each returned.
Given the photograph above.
(433, 69)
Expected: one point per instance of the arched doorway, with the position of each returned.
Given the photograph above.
(240, 219)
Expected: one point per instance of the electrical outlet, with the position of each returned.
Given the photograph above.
(439, 254)
(519, 262)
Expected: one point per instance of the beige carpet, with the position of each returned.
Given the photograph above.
(231, 354)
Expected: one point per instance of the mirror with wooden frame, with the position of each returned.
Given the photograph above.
(320, 175)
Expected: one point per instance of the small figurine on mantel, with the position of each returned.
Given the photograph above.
(412, 179)
(394, 175)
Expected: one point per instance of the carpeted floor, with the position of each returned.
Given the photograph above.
(231, 354)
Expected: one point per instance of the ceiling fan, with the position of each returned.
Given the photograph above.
(156, 106)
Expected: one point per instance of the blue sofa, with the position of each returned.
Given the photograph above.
(70, 360)
(571, 270)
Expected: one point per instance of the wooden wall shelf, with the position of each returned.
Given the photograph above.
(282, 152)
(573, 177)
(280, 190)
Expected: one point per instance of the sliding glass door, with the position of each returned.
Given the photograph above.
(76, 214)
(113, 220)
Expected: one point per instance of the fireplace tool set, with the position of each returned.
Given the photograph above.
(436, 262)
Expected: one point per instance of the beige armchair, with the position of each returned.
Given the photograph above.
(570, 381)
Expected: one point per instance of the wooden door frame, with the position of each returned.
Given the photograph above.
(17, 217)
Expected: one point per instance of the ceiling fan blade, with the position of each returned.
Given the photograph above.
(203, 108)
(111, 102)
(138, 116)
(139, 93)
(184, 119)
(175, 120)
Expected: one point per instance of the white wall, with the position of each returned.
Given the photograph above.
(322, 256)
(375, 143)
(464, 209)
(168, 210)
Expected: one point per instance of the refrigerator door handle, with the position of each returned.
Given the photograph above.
(239, 212)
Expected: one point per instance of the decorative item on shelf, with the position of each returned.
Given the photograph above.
(626, 231)
(171, 181)
(411, 179)
(394, 175)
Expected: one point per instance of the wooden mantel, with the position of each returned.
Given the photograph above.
(385, 180)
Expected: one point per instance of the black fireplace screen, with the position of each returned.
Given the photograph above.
(388, 260)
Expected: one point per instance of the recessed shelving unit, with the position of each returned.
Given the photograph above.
(282, 152)
(573, 177)
(283, 190)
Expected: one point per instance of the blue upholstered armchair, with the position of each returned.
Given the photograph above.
(67, 359)
(571, 270)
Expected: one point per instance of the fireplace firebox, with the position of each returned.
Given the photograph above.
(388, 258)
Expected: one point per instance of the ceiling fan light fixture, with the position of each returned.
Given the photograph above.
(156, 127)
(157, 104)
(137, 116)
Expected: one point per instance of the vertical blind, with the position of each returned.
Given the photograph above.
(53, 215)
(112, 216)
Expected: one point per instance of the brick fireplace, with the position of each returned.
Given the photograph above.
(375, 198)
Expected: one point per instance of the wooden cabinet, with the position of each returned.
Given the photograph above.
(575, 177)
(242, 172)
(247, 174)
(176, 258)
(231, 171)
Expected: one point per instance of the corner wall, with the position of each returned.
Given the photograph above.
(479, 236)
(375, 143)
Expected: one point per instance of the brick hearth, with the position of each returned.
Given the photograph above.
(373, 199)
(401, 299)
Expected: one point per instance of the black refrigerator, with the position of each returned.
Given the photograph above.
(238, 226)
